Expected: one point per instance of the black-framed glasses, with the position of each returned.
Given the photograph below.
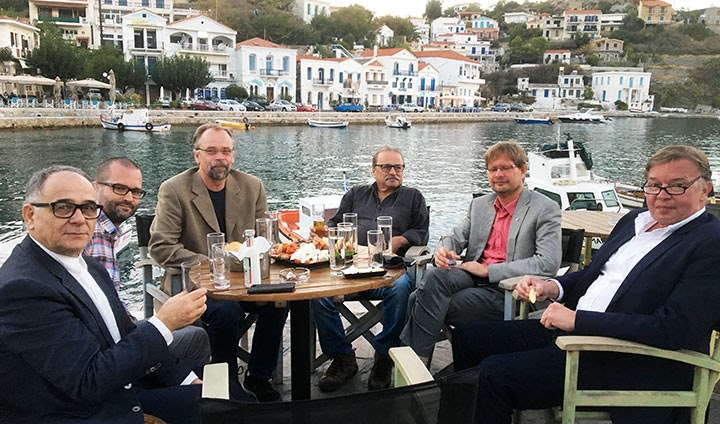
(63, 209)
(122, 189)
(213, 151)
(387, 167)
(673, 190)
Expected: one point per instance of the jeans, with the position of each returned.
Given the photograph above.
(224, 325)
(330, 328)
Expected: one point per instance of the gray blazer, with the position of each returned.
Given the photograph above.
(184, 215)
(535, 241)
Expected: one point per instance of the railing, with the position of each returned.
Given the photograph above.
(323, 81)
(377, 82)
(221, 74)
(274, 73)
(63, 19)
(406, 73)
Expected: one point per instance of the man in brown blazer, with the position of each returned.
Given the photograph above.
(213, 197)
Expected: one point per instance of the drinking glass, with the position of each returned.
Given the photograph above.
(384, 224)
(447, 242)
(218, 264)
(336, 245)
(352, 218)
(375, 248)
(263, 228)
(351, 240)
(190, 274)
(274, 217)
(318, 217)
(213, 238)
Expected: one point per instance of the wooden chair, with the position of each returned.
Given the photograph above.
(706, 375)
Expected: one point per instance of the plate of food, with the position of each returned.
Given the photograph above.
(353, 272)
(302, 253)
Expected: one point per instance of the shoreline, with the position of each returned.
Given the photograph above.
(29, 118)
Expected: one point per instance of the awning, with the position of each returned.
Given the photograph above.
(88, 82)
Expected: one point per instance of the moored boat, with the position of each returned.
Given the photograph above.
(235, 124)
(585, 116)
(132, 120)
(630, 196)
(531, 120)
(397, 120)
(327, 124)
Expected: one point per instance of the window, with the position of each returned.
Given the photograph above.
(139, 39)
(631, 82)
(152, 61)
(122, 2)
(546, 93)
(332, 74)
(286, 64)
(619, 96)
(251, 62)
(553, 196)
(396, 69)
(309, 73)
(422, 83)
(145, 3)
(642, 80)
(268, 64)
(151, 39)
(621, 80)
(341, 76)
(160, 4)
(610, 198)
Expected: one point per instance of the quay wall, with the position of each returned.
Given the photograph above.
(21, 118)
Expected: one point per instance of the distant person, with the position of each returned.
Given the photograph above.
(246, 121)
(208, 198)
(69, 351)
(653, 281)
(512, 231)
(118, 183)
(386, 196)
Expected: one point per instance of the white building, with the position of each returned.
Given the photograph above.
(422, 29)
(566, 94)
(384, 36)
(552, 27)
(445, 25)
(21, 38)
(429, 90)
(517, 17)
(556, 56)
(402, 66)
(308, 9)
(608, 49)
(469, 45)
(265, 68)
(579, 22)
(610, 22)
(374, 85)
(459, 77)
(486, 28)
(631, 86)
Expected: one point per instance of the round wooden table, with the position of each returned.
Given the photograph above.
(321, 284)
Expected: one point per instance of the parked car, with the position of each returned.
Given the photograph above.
(164, 101)
(411, 107)
(304, 107)
(231, 105)
(252, 106)
(521, 107)
(203, 105)
(261, 101)
(349, 107)
(186, 102)
(282, 105)
(500, 107)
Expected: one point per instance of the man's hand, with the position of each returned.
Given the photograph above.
(558, 317)
(475, 268)
(399, 242)
(441, 258)
(544, 289)
(183, 309)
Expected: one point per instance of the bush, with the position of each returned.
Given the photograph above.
(620, 105)
(589, 106)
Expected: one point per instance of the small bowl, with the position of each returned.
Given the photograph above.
(296, 275)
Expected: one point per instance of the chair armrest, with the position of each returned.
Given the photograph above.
(145, 262)
(609, 344)
(415, 251)
(409, 368)
(512, 282)
(216, 384)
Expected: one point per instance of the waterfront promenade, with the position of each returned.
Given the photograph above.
(18, 118)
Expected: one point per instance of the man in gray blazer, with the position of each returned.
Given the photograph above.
(213, 197)
(508, 233)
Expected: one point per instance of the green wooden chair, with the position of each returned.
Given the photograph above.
(706, 375)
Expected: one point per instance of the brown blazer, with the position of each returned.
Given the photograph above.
(184, 215)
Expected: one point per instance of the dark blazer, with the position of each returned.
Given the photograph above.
(670, 298)
(58, 362)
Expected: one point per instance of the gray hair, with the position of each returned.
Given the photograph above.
(209, 126)
(386, 149)
(34, 187)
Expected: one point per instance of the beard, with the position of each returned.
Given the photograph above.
(218, 170)
(116, 215)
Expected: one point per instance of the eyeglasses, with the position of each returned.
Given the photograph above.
(503, 169)
(62, 209)
(386, 167)
(122, 190)
(673, 190)
(213, 151)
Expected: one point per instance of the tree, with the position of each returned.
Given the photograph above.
(56, 56)
(179, 73)
(433, 10)
(234, 91)
(449, 12)
(6, 54)
(127, 74)
(402, 27)
(352, 24)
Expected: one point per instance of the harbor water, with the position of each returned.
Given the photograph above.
(444, 161)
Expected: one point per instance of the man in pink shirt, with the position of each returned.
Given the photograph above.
(510, 232)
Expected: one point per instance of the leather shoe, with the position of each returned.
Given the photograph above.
(381, 373)
(343, 367)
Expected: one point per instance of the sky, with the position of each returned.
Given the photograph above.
(416, 8)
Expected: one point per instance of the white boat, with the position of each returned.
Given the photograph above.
(563, 173)
(397, 120)
(327, 124)
(630, 196)
(584, 116)
(531, 120)
(132, 120)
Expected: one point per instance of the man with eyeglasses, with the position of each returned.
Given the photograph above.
(510, 232)
(213, 197)
(653, 281)
(69, 351)
(386, 196)
(118, 183)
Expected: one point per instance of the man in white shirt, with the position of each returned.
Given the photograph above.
(654, 281)
(69, 351)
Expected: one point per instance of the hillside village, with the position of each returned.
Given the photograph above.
(553, 55)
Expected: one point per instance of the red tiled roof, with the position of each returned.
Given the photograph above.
(375, 63)
(445, 54)
(259, 42)
(557, 51)
(381, 52)
(583, 12)
(652, 3)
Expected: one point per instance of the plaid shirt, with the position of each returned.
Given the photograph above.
(102, 247)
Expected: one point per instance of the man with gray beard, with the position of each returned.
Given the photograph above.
(213, 197)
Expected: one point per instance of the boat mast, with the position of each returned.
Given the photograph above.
(571, 157)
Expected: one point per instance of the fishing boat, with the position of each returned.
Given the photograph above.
(327, 124)
(563, 172)
(131, 120)
(397, 120)
(236, 125)
(531, 120)
(630, 196)
(585, 116)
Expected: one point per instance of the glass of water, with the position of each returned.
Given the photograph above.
(213, 238)
(447, 242)
(375, 248)
(384, 224)
(337, 246)
(351, 240)
(191, 274)
(218, 265)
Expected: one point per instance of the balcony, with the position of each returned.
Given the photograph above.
(323, 81)
(63, 19)
(376, 82)
(274, 73)
(406, 73)
(219, 74)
